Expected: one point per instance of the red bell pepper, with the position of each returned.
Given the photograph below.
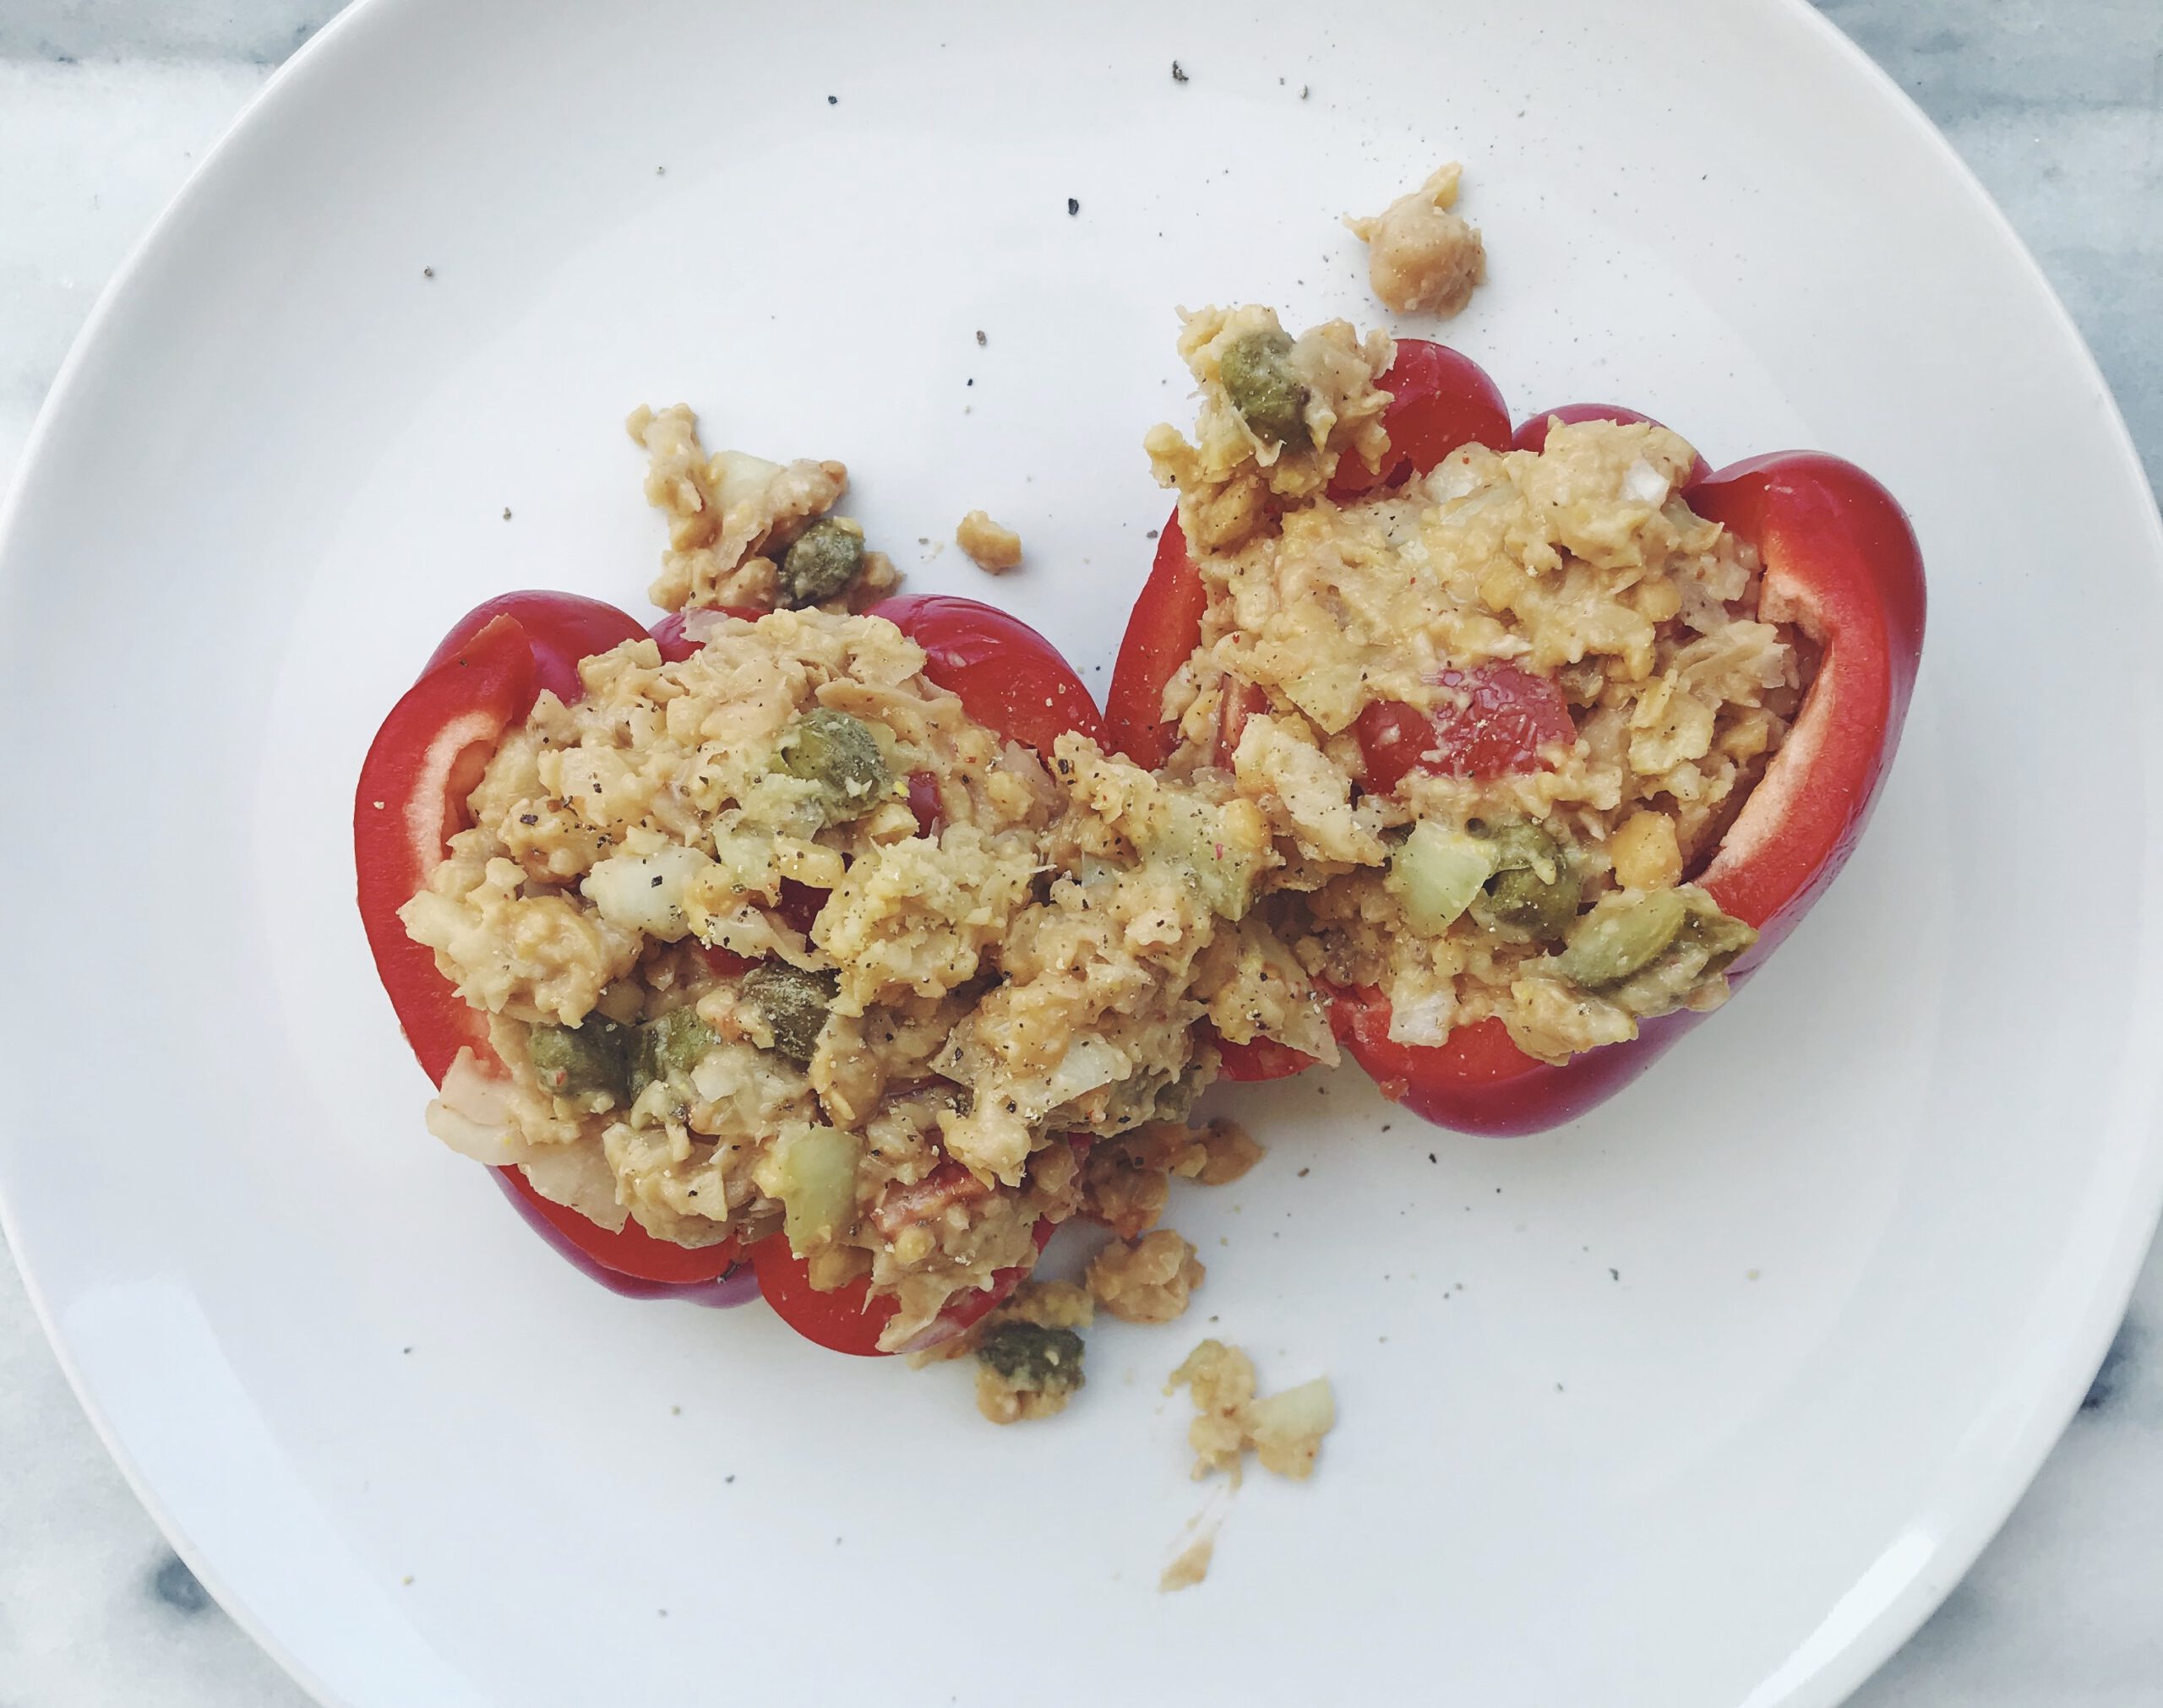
(481, 680)
(1840, 563)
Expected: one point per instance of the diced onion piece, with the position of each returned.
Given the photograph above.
(1643, 482)
(578, 1177)
(1424, 1020)
(645, 892)
(471, 1114)
(1088, 1063)
(1287, 1428)
(814, 1177)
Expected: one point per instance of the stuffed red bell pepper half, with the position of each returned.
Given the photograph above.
(804, 936)
(1557, 731)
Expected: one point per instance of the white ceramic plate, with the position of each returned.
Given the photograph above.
(1707, 1400)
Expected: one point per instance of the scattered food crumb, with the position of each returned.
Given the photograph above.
(661, 171)
(1285, 1431)
(675, 1411)
(833, 101)
(1191, 1565)
(1150, 535)
(1615, 1275)
(427, 272)
(506, 513)
(1302, 1174)
(1150, 1280)
(1422, 259)
(1029, 1353)
(1753, 1275)
(408, 1578)
(1179, 76)
(1073, 206)
(981, 340)
(1303, 91)
(992, 548)
(408, 1349)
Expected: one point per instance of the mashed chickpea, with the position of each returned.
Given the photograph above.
(1423, 258)
(1493, 718)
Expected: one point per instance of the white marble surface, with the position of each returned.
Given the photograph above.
(104, 104)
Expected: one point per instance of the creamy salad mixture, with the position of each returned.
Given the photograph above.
(778, 938)
(1576, 580)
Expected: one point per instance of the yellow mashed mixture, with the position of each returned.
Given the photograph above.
(740, 987)
(1555, 895)
(743, 984)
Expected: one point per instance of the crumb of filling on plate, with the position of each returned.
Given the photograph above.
(1284, 1431)
(991, 548)
(1149, 1280)
(1423, 258)
(1029, 1352)
(750, 534)
(1190, 1564)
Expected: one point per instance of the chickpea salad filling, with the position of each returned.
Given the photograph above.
(837, 935)
(1495, 719)
(775, 936)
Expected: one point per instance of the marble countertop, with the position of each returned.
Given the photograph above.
(2056, 104)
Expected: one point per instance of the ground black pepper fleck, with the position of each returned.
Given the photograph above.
(1178, 75)
(1073, 206)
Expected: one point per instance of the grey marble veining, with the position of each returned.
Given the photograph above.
(104, 104)
(2058, 105)
(255, 32)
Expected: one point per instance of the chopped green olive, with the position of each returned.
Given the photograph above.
(1622, 937)
(574, 1061)
(793, 1002)
(839, 753)
(670, 1044)
(823, 559)
(1034, 1360)
(1707, 942)
(1532, 896)
(1258, 380)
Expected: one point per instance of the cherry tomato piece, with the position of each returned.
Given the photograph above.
(1507, 718)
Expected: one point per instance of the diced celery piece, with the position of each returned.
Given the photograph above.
(817, 1185)
(1436, 871)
